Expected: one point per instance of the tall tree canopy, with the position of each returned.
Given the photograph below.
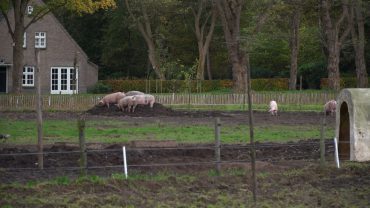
(265, 37)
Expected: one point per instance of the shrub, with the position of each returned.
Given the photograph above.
(345, 82)
(176, 86)
(100, 88)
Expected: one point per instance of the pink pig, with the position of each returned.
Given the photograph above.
(126, 102)
(145, 99)
(330, 107)
(112, 98)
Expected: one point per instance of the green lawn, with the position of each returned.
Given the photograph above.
(114, 131)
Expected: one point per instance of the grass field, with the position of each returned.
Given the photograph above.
(115, 131)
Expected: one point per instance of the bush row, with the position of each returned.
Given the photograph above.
(345, 82)
(169, 86)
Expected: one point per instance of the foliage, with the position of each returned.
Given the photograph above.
(100, 88)
(169, 86)
(311, 74)
(121, 51)
(345, 82)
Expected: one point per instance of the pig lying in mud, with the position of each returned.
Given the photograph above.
(112, 98)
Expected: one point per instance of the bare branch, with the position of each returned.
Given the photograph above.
(11, 32)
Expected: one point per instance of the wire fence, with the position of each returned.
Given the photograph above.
(166, 156)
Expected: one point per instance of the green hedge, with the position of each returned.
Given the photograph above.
(345, 82)
(169, 86)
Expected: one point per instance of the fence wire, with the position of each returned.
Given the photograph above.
(105, 154)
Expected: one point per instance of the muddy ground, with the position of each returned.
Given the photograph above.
(288, 174)
(64, 158)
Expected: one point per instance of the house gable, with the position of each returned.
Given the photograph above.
(61, 51)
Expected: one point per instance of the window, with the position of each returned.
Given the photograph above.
(29, 10)
(28, 76)
(24, 40)
(64, 80)
(40, 40)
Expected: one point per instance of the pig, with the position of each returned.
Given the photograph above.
(131, 93)
(273, 108)
(145, 99)
(330, 107)
(112, 98)
(126, 102)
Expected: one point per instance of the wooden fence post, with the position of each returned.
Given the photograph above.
(81, 136)
(218, 146)
(322, 141)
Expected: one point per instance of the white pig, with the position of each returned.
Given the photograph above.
(112, 98)
(126, 102)
(273, 108)
(330, 107)
(145, 99)
(131, 93)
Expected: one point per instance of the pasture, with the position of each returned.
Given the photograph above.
(170, 155)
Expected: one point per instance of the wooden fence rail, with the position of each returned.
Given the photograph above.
(85, 102)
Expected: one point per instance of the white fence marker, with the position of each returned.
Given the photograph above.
(124, 160)
(336, 154)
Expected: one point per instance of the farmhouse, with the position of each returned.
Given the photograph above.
(64, 66)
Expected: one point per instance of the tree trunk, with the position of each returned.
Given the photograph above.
(146, 31)
(19, 10)
(358, 40)
(239, 76)
(229, 12)
(294, 47)
(203, 39)
(209, 66)
(335, 34)
(201, 64)
(153, 60)
(17, 63)
(333, 68)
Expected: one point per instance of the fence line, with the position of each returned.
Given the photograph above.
(85, 102)
(314, 155)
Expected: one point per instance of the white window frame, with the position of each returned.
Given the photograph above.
(40, 39)
(29, 10)
(59, 74)
(24, 40)
(28, 78)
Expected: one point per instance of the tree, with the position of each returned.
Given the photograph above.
(22, 21)
(294, 43)
(356, 20)
(335, 32)
(229, 12)
(140, 16)
(203, 37)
